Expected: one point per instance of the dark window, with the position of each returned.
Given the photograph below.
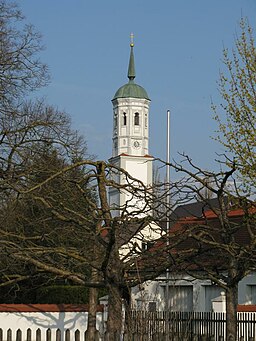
(136, 119)
(151, 306)
(146, 245)
(125, 119)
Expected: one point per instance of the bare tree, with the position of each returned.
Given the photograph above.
(219, 244)
(21, 70)
(82, 231)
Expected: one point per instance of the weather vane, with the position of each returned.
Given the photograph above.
(132, 38)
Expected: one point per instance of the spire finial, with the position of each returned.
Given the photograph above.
(131, 68)
(131, 39)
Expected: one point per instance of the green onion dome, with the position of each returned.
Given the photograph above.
(131, 89)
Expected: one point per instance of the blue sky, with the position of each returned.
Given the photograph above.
(178, 51)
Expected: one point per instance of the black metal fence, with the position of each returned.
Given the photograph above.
(190, 325)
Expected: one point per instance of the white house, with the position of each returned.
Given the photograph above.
(189, 294)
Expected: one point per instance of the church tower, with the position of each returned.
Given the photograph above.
(131, 133)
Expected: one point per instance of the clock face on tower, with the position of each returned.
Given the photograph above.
(136, 144)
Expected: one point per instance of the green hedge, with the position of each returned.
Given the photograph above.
(58, 294)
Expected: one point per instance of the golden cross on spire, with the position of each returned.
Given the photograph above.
(131, 39)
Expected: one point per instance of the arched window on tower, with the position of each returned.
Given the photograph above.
(115, 121)
(136, 119)
(124, 119)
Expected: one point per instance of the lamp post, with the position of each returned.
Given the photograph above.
(167, 299)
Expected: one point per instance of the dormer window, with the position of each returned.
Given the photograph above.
(124, 119)
(136, 119)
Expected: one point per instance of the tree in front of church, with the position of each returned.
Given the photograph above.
(27, 223)
(71, 232)
(220, 245)
(236, 116)
(30, 132)
(237, 134)
(219, 242)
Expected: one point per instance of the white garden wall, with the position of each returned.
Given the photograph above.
(23, 317)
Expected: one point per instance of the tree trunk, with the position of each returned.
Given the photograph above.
(115, 316)
(115, 279)
(93, 300)
(231, 312)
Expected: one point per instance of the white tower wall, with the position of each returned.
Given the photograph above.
(130, 149)
(130, 126)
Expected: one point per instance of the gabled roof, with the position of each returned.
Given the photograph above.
(199, 243)
(195, 209)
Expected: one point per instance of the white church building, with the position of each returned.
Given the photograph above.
(130, 149)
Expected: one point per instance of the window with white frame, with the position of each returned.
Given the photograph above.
(181, 297)
(252, 294)
(152, 306)
(211, 292)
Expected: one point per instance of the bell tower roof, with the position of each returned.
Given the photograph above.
(131, 89)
